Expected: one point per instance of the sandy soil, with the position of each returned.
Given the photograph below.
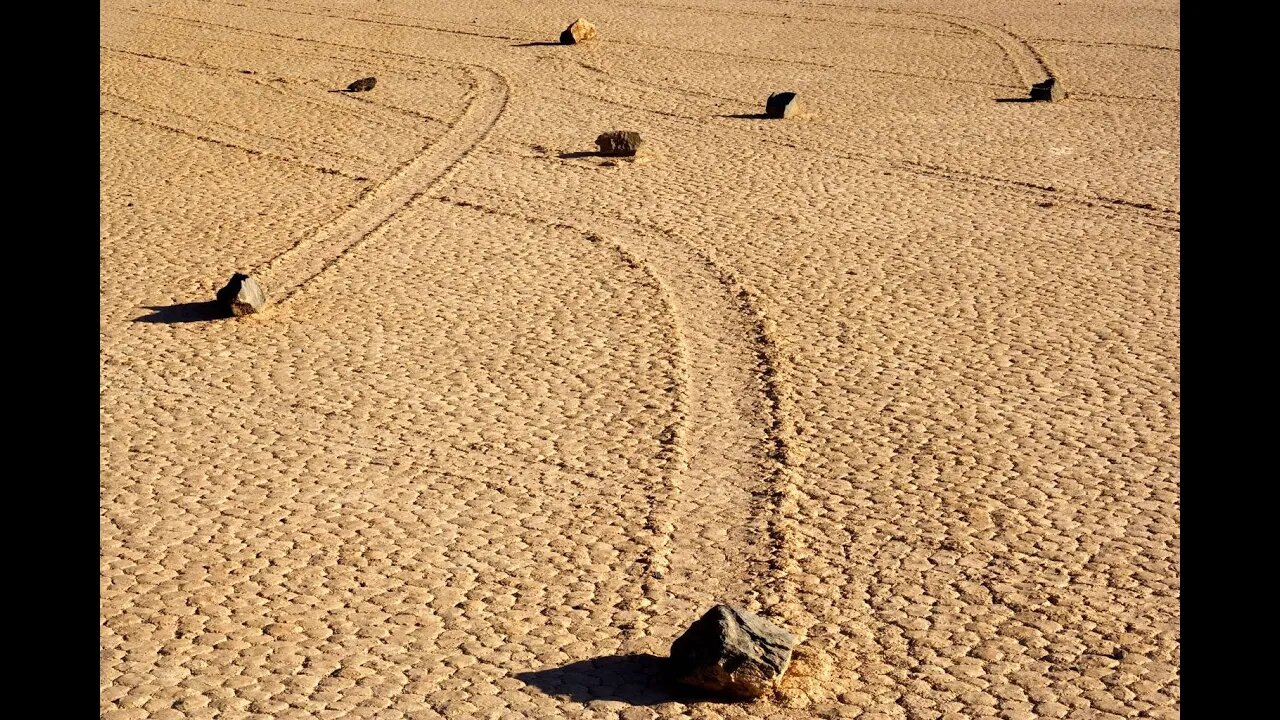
(901, 373)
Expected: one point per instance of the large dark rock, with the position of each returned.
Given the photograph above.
(1048, 91)
(781, 105)
(579, 31)
(733, 652)
(619, 143)
(362, 85)
(242, 295)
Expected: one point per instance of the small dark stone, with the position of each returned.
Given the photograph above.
(1048, 91)
(362, 85)
(242, 295)
(732, 651)
(619, 143)
(781, 105)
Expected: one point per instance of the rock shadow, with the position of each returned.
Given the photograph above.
(638, 679)
(1016, 99)
(748, 116)
(186, 312)
(582, 154)
(536, 43)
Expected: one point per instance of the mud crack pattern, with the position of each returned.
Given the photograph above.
(901, 374)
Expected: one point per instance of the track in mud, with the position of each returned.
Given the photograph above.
(287, 273)
(732, 427)
(731, 422)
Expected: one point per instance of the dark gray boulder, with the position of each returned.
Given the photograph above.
(619, 143)
(1048, 91)
(781, 105)
(733, 652)
(242, 295)
(362, 85)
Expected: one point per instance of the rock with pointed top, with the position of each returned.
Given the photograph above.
(1048, 91)
(579, 31)
(362, 85)
(733, 652)
(242, 295)
(781, 105)
(619, 143)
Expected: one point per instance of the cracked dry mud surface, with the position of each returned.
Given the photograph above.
(900, 373)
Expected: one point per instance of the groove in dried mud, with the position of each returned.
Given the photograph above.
(289, 271)
(734, 386)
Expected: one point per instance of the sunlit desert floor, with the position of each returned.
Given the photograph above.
(900, 373)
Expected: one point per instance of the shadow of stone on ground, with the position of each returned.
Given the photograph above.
(185, 312)
(633, 679)
(581, 154)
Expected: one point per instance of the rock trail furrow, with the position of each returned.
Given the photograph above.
(289, 271)
(124, 109)
(304, 152)
(306, 91)
(1151, 211)
(738, 436)
(655, 563)
(900, 373)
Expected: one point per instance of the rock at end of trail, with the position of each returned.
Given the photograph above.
(1048, 91)
(781, 105)
(242, 295)
(362, 85)
(579, 31)
(619, 143)
(733, 652)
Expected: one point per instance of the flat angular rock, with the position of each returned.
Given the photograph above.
(1048, 91)
(242, 295)
(619, 143)
(362, 85)
(781, 105)
(732, 652)
(579, 31)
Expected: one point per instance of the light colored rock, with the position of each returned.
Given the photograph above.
(242, 295)
(579, 31)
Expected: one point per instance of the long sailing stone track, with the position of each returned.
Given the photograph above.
(292, 269)
(899, 374)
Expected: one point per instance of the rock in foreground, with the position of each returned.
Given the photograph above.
(579, 31)
(781, 105)
(732, 651)
(242, 295)
(362, 85)
(1048, 91)
(619, 143)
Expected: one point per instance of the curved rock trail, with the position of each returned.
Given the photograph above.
(717, 530)
(715, 510)
(285, 274)
(727, 444)
(716, 533)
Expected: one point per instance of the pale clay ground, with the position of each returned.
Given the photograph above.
(901, 373)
